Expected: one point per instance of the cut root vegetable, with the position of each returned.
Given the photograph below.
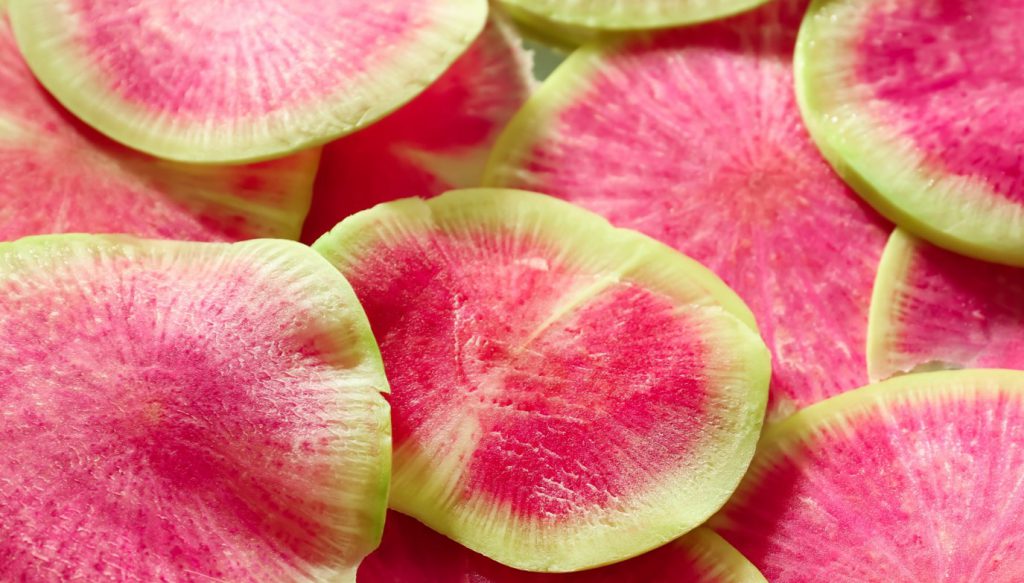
(412, 553)
(915, 102)
(202, 81)
(694, 138)
(59, 176)
(933, 309)
(628, 14)
(435, 143)
(565, 394)
(913, 479)
(185, 412)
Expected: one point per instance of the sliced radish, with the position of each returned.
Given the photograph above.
(933, 309)
(913, 479)
(185, 412)
(206, 81)
(916, 103)
(565, 394)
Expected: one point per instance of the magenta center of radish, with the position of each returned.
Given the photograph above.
(948, 75)
(560, 409)
(163, 425)
(206, 59)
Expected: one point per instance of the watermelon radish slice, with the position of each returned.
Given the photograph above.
(933, 309)
(185, 412)
(693, 138)
(916, 103)
(565, 394)
(201, 81)
(913, 479)
(633, 14)
(412, 553)
(437, 142)
(62, 176)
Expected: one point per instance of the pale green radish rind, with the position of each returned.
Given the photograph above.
(881, 165)
(630, 14)
(736, 361)
(840, 414)
(561, 36)
(719, 561)
(539, 115)
(892, 270)
(289, 268)
(45, 34)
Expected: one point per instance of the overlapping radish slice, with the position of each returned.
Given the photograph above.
(933, 309)
(916, 102)
(693, 137)
(185, 412)
(914, 479)
(202, 81)
(62, 176)
(437, 142)
(565, 394)
(412, 553)
(629, 14)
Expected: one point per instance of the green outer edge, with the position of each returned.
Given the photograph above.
(892, 269)
(857, 173)
(778, 439)
(583, 548)
(564, 37)
(300, 254)
(533, 120)
(99, 108)
(559, 13)
(724, 564)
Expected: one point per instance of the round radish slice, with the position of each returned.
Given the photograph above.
(412, 553)
(915, 101)
(62, 176)
(565, 394)
(202, 81)
(914, 479)
(933, 309)
(629, 14)
(437, 142)
(694, 138)
(185, 412)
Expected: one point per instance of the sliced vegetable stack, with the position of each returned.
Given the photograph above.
(201, 81)
(916, 102)
(522, 324)
(565, 394)
(185, 411)
(60, 175)
(914, 479)
(693, 137)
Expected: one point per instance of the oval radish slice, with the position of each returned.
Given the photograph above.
(914, 479)
(437, 142)
(694, 138)
(565, 394)
(59, 175)
(630, 14)
(915, 101)
(185, 412)
(201, 81)
(412, 553)
(933, 309)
